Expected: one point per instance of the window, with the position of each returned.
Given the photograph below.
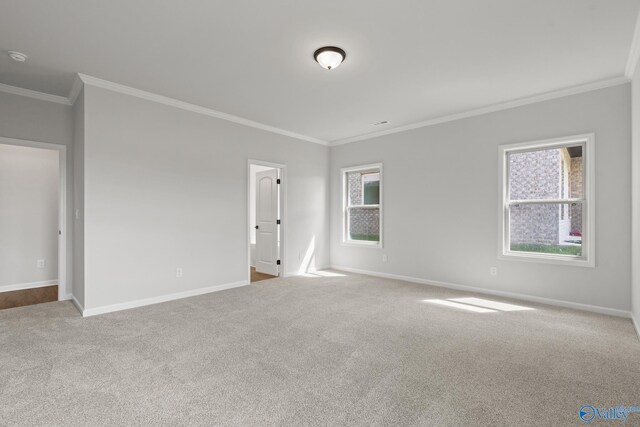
(547, 212)
(362, 201)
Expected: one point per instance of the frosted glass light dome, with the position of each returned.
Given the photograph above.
(329, 57)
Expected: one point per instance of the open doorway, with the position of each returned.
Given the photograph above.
(265, 220)
(32, 224)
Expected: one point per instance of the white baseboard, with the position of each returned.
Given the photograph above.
(156, 300)
(32, 285)
(523, 297)
(636, 325)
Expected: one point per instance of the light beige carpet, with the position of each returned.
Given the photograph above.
(350, 350)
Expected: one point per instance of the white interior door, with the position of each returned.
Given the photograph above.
(266, 222)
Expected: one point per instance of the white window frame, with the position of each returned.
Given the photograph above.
(373, 167)
(588, 258)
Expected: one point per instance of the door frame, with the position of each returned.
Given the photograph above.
(283, 214)
(64, 290)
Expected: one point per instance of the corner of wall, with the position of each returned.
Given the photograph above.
(78, 200)
(635, 198)
(636, 325)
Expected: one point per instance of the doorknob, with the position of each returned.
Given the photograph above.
(257, 227)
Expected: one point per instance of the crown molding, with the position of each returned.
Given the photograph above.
(14, 90)
(634, 51)
(83, 79)
(600, 84)
(75, 89)
(115, 87)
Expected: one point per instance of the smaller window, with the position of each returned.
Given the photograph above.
(547, 204)
(362, 199)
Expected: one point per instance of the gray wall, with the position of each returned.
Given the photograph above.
(78, 199)
(29, 183)
(635, 285)
(167, 188)
(42, 121)
(445, 225)
(35, 120)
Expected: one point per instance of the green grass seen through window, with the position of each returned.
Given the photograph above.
(548, 249)
(367, 237)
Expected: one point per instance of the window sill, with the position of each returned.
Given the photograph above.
(547, 259)
(363, 244)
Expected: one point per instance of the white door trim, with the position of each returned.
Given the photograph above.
(64, 288)
(283, 212)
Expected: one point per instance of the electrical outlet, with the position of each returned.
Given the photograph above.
(179, 272)
(40, 263)
(493, 271)
(385, 258)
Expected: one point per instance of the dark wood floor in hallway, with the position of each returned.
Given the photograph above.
(256, 277)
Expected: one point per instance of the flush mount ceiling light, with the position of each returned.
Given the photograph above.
(329, 57)
(17, 56)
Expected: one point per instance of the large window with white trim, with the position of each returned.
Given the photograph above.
(362, 205)
(547, 210)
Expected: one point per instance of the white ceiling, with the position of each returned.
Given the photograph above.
(407, 60)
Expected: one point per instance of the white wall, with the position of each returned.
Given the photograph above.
(42, 121)
(635, 159)
(253, 170)
(441, 200)
(167, 188)
(29, 185)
